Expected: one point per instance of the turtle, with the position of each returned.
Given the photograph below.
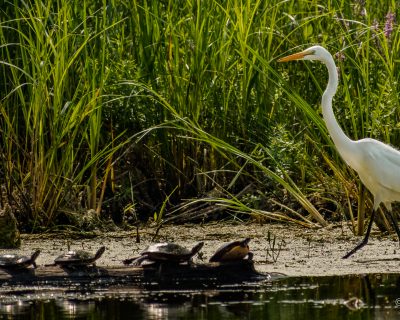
(233, 251)
(78, 258)
(165, 252)
(15, 261)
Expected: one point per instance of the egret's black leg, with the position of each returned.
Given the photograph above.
(394, 224)
(365, 240)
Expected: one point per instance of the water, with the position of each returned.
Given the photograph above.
(375, 297)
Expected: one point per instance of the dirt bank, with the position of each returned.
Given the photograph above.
(297, 251)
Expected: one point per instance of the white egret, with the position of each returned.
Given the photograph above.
(377, 164)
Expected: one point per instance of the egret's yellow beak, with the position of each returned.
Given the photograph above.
(295, 56)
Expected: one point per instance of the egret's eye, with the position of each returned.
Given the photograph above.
(311, 52)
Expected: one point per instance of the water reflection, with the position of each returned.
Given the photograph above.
(349, 297)
(75, 308)
(15, 307)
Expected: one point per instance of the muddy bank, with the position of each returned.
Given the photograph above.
(297, 251)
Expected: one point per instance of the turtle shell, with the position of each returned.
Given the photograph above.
(170, 252)
(79, 257)
(232, 251)
(16, 261)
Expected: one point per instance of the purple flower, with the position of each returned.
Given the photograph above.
(390, 19)
(340, 56)
(375, 31)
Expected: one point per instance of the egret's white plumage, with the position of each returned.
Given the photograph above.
(377, 164)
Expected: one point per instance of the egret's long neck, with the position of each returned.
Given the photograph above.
(341, 141)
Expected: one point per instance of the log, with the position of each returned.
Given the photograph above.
(154, 275)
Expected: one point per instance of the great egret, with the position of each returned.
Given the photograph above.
(377, 164)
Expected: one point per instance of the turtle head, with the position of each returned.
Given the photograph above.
(35, 255)
(33, 258)
(100, 252)
(245, 242)
(197, 247)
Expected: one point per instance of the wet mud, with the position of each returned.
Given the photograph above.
(290, 249)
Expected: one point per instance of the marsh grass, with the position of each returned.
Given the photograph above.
(135, 106)
(47, 120)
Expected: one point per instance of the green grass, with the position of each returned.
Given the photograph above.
(137, 106)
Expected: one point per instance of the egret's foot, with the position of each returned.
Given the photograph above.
(358, 247)
(365, 240)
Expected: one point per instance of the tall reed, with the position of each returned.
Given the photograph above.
(141, 104)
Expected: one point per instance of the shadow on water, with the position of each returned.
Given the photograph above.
(344, 297)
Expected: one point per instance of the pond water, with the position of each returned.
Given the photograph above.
(346, 297)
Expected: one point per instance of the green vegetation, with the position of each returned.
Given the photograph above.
(148, 109)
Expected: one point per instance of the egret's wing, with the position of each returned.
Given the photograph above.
(382, 163)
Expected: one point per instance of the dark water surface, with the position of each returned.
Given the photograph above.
(373, 296)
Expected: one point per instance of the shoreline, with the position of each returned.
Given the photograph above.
(298, 251)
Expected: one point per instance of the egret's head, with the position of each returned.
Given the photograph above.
(312, 53)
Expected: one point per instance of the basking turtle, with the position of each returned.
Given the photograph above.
(167, 252)
(233, 251)
(15, 261)
(78, 258)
